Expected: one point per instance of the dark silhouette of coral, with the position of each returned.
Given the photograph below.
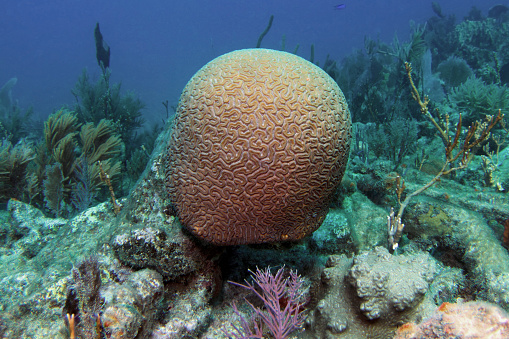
(102, 49)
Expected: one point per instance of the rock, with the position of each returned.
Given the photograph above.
(370, 295)
(151, 248)
(388, 284)
(31, 229)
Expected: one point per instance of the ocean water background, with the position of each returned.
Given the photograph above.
(157, 45)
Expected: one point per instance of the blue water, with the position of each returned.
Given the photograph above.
(157, 45)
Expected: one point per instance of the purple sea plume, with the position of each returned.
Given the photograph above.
(283, 310)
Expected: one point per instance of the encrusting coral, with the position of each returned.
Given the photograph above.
(260, 142)
(461, 320)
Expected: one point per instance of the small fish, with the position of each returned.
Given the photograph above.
(340, 6)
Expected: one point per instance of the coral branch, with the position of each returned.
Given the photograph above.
(281, 297)
(477, 133)
(106, 179)
(265, 31)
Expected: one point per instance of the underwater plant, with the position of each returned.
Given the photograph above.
(83, 194)
(394, 139)
(456, 158)
(440, 37)
(454, 71)
(100, 100)
(265, 31)
(373, 81)
(60, 130)
(136, 163)
(407, 52)
(54, 189)
(478, 40)
(84, 300)
(77, 149)
(430, 83)
(102, 144)
(14, 161)
(14, 125)
(283, 311)
(476, 99)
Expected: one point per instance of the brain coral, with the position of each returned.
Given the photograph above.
(259, 144)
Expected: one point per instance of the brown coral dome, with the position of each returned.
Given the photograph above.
(260, 142)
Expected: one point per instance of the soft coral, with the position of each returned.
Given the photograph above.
(283, 309)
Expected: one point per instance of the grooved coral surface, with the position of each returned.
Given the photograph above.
(260, 142)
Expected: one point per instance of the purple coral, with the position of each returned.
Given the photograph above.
(283, 310)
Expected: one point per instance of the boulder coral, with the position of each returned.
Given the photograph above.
(260, 142)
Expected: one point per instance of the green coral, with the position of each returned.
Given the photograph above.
(60, 130)
(101, 144)
(14, 161)
(481, 41)
(14, 124)
(476, 99)
(454, 71)
(74, 150)
(54, 189)
(100, 100)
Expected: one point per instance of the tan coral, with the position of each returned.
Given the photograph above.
(260, 142)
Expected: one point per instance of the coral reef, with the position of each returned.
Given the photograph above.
(30, 228)
(35, 277)
(137, 272)
(334, 235)
(457, 223)
(250, 164)
(123, 309)
(129, 304)
(387, 284)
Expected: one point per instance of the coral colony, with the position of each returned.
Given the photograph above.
(241, 219)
